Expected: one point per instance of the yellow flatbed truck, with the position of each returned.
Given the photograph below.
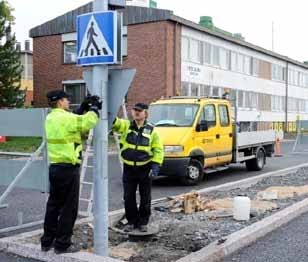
(200, 137)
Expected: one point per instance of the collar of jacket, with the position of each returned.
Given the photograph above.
(58, 110)
(134, 126)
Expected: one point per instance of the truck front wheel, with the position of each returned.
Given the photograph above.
(194, 173)
(257, 163)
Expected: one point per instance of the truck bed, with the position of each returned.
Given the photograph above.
(249, 139)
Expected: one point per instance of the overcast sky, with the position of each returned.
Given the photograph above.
(253, 19)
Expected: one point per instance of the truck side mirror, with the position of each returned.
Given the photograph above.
(202, 126)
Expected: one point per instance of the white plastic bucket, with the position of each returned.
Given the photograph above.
(241, 208)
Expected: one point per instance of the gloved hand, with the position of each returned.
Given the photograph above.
(95, 104)
(94, 101)
(83, 108)
(155, 169)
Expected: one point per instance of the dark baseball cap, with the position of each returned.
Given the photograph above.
(56, 95)
(141, 106)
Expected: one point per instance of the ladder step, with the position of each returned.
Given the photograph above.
(87, 183)
(90, 166)
(84, 199)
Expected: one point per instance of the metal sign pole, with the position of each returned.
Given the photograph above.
(100, 85)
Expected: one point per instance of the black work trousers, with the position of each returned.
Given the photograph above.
(62, 205)
(134, 176)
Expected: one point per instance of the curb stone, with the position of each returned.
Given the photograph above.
(244, 237)
(211, 253)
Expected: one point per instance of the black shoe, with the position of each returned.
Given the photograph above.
(64, 251)
(143, 228)
(46, 249)
(129, 228)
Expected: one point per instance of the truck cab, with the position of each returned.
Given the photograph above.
(197, 134)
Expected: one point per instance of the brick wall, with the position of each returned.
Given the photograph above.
(151, 51)
(48, 68)
(29, 98)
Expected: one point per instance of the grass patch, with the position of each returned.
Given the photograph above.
(30, 144)
(21, 144)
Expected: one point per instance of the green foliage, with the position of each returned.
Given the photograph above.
(10, 65)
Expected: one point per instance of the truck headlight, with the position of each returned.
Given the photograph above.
(174, 149)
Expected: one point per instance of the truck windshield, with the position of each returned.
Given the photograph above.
(178, 115)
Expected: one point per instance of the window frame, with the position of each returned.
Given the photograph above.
(203, 114)
(186, 58)
(65, 85)
(199, 51)
(228, 115)
(63, 52)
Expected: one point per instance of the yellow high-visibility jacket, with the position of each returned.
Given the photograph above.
(139, 146)
(63, 133)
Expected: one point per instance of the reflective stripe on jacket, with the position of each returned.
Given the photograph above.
(139, 146)
(63, 133)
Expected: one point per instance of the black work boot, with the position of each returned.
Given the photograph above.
(129, 228)
(70, 249)
(143, 228)
(46, 248)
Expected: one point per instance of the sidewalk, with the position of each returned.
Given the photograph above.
(287, 244)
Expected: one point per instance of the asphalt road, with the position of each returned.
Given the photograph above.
(32, 203)
(10, 258)
(286, 244)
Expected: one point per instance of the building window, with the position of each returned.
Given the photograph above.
(292, 105)
(216, 91)
(301, 105)
(77, 91)
(277, 103)
(224, 58)
(195, 51)
(264, 102)
(234, 61)
(185, 89)
(69, 52)
(240, 63)
(194, 90)
(205, 90)
(247, 99)
(185, 48)
(306, 106)
(255, 66)
(252, 100)
(305, 80)
(207, 53)
(247, 67)
(223, 115)
(278, 72)
(240, 98)
(216, 56)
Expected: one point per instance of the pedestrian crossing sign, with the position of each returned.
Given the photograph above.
(97, 38)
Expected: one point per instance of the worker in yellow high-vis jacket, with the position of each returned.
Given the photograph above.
(142, 155)
(63, 134)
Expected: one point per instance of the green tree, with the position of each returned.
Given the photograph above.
(10, 65)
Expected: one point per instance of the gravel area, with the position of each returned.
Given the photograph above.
(181, 234)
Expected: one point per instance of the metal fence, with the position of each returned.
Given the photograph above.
(23, 170)
(301, 141)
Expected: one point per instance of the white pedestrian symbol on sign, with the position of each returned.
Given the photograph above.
(94, 42)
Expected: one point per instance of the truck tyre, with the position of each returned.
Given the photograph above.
(194, 173)
(257, 163)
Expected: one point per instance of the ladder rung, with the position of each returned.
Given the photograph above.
(87, 183)
(84, 199)
(90, 166)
